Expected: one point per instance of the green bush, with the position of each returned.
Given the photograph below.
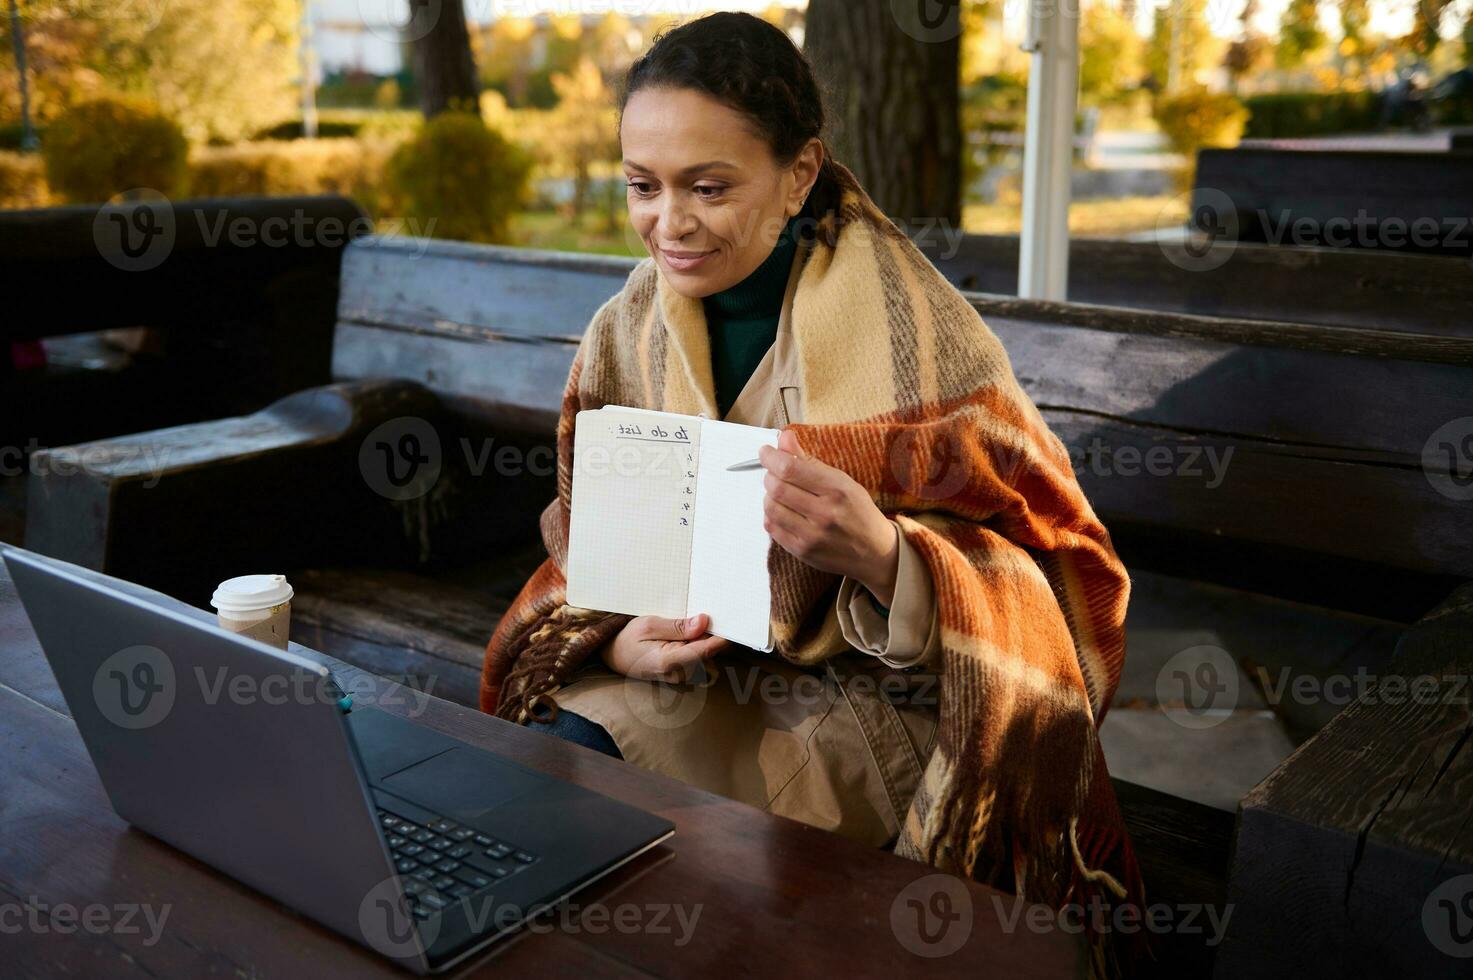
(462, 176)
(1285, 115)
(101, 148)
(22, 181)
(323, 166)
(274, 168)
(1197, 119)
(292, 129)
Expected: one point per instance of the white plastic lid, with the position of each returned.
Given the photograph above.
(249, 593)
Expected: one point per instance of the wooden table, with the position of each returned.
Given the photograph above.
(775, 897)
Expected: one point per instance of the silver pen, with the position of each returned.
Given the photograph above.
(746, 464)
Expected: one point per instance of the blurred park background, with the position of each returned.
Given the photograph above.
(207, 98)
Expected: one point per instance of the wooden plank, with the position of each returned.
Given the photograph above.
(1184, 849)
(1371, 193)
(1333, 287)
(479, 290)
(516, 384)
(1311, 396)
(1268, 493)
(1356, 856)
(402, 624)
(226, 258)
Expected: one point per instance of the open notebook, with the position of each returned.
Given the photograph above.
(660, 527)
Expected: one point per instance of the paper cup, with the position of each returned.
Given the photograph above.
(258, 606)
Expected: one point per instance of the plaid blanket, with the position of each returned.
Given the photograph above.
(907, 391)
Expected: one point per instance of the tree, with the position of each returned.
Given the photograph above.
(891, 71)
(1247, 54)
(1299, 34)
(221, 68)
(442, 58)
(1181, 47)
(580, 131)
(1355, 19)
(1426, 26)
(1109, 54)
(506, 57)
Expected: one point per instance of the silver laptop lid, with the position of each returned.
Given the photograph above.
(222, 746)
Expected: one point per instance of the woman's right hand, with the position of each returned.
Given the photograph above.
(653, 648)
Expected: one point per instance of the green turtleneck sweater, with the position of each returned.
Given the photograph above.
(742, 319)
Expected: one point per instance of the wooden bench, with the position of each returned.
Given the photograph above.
(1335, 287)
(1402, 201)
(240, 290)
(1316, 547)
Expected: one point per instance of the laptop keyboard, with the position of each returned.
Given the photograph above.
(440, 861)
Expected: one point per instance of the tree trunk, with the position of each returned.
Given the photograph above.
(890, 73)
(442, 57)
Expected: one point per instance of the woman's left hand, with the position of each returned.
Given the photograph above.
(822, 517)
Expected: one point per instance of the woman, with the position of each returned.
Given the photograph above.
(947, 611)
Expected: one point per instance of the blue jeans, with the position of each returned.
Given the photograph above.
(580, 731)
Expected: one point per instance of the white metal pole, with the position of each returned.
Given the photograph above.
(309, 76)
(1048, 149)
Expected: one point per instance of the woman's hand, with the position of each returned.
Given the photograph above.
(653, 648)
(822, 517)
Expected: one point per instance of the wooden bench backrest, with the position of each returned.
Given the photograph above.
(1350, 287)
(1385, 201)
(204, 261)
(1320, 432)
(491, 330)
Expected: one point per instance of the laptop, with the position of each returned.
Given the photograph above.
(418, 845)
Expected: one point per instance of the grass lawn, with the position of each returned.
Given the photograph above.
(549, 229)
(1087, 219)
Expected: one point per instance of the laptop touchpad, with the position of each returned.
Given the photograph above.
(461, 783)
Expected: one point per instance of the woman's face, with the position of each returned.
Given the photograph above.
(705, 193)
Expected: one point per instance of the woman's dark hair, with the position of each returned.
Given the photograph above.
(753, 67)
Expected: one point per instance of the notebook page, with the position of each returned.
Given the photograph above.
(728, 568)
(633, 511)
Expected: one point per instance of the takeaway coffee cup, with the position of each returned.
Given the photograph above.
(260, 606)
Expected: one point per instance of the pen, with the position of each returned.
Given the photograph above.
(746, 464)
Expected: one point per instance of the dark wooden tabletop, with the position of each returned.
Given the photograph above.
(767, 896)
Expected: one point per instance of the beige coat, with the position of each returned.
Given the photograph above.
(840, 747)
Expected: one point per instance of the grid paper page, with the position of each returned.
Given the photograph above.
(629, 541)
(728, 567)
